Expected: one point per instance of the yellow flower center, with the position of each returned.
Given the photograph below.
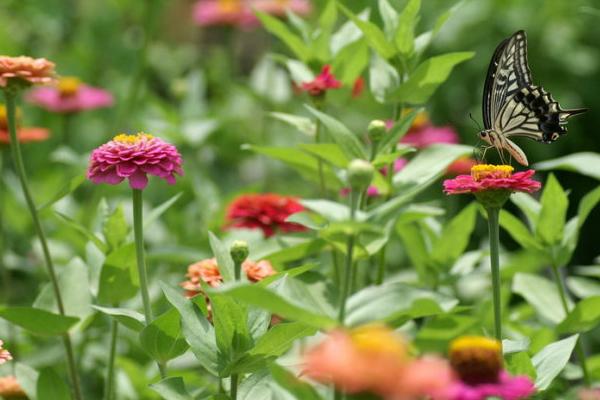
(230, 6)
(482, 171)
(476, 359)
(420, 120)
(4, 117)
(379, 339)
(131, 139)
(68, 85)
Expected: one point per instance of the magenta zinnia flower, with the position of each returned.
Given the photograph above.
(70, 96)
(4, 354)
(487, 177)
(133, 157)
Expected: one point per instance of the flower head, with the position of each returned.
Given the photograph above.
(70, 96)
(240, 12)
(24, 135)
(279, 7)
(478, 363)
(133, 157)
(322, 83)
(492, 184)
(589, 394)
(358, 87)
(4, 354)
(25, 70)
(267, 212)
(10, 388)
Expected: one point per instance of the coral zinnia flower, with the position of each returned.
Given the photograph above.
(10, 388)
(133, 157)
(25, 69)
(70, 96)
(478, 363)
(322, 83)
(24, 135)
(267, 212)
(4, 354)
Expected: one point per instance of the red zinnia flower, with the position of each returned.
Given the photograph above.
(322, 83)
(358, 87)
(267, 212)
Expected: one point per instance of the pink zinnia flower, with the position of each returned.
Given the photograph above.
(70, 96)
(322, 83)
(428, 377)
(492, 178)
(267, 212)
(223, 12)
(11, 389)
(427, 135)
(589, 394)
(133, 157)
(478, 363)
(372, 191)
(4, 354)
(279, 7)
(26, 69)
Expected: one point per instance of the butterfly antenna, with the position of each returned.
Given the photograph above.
(476, 123)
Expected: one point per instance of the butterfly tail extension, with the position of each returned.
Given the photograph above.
(566, 114)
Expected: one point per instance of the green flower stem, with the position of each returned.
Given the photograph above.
(110, 372)
(322, 185)
(494, 232)
(381, 267)
(348, 268)
(563, 299)
(67, 126)
(10, 98)
(234, 386)
(138, 233)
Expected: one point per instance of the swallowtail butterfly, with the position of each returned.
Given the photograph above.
(514, 106)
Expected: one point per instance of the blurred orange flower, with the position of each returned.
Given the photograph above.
(27, 69)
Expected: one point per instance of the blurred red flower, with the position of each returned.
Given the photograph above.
(24, 135)
(322, 83)
(267, 212)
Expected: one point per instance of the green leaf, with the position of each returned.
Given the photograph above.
(584, 317)
(518, 231)
(171, 388)
(299, 388)
(520, 364)
(392, 138)
(118, 278)
(299, 71)
(405, 33)
(287, 307)
(38, 322)
(427, 77)
(27, 378)
(383, 78)
(455, 237)
(223, 257)
(541, 294)
(328, 152)
(394, 301)
(198, 332)
(347, 140)
(586, 205)
(69, 188)
(50, 386)
(528, 206)
(328, 16)
(279, 29)
(583, 287)
(389, 15)
(554, 201)
(115, 229)
(585, 163)
(129, 318)
(331, 210)
(276, 342)
(350, 62)
(81, 229)
(260, 386)
(162, 338)
(551, 360)
(372, 33)
(348, 33)
(160, 210)
(437, 332)
(303, 124)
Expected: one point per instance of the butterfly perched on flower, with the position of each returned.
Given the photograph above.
(514, 106)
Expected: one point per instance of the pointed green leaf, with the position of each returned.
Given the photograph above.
(69, 188)
(553, 215)
(160, 210)
(50, 386)
(541, 294)
(38, 322)
(585, 163)
(372, 33)
(129, 318)
(584, 317)
(405, 33)
(162, 339)
(172, 388)
(551, 360)
(118, 278)
(279, 29)
(518, 231)
(455, 237)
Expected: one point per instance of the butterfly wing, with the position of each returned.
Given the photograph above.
(532, 112)
(508, 72)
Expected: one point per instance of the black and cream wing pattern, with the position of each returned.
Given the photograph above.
(514, 106)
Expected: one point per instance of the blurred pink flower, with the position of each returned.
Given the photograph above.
(427, 135)
(430, 375)
(240, 13)
(279, 7)
(372, 191)
(507, 388)
(4, 354)
(133, 157)
(26, 69)
(492, 177)
(70, 96)
(589, 394)
(322, 83)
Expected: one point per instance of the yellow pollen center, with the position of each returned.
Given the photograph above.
(379, 339)
(68, 85)
(482, 171)
(230, 6)
(475, 342)
(132, 139)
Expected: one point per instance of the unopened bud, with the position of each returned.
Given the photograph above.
(239, 251)
(360, 174)
(376, 130)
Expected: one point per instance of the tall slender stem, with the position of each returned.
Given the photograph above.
(10, 97)
(138, 233)
(322, 185)
(110, 371)
(494, 232)
(234, 386)
(348, 267)
(563, 299)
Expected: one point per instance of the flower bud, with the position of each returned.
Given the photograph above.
(360, 174)
(239, 251)
(376, 130)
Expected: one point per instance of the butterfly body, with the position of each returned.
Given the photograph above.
(513, 106)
